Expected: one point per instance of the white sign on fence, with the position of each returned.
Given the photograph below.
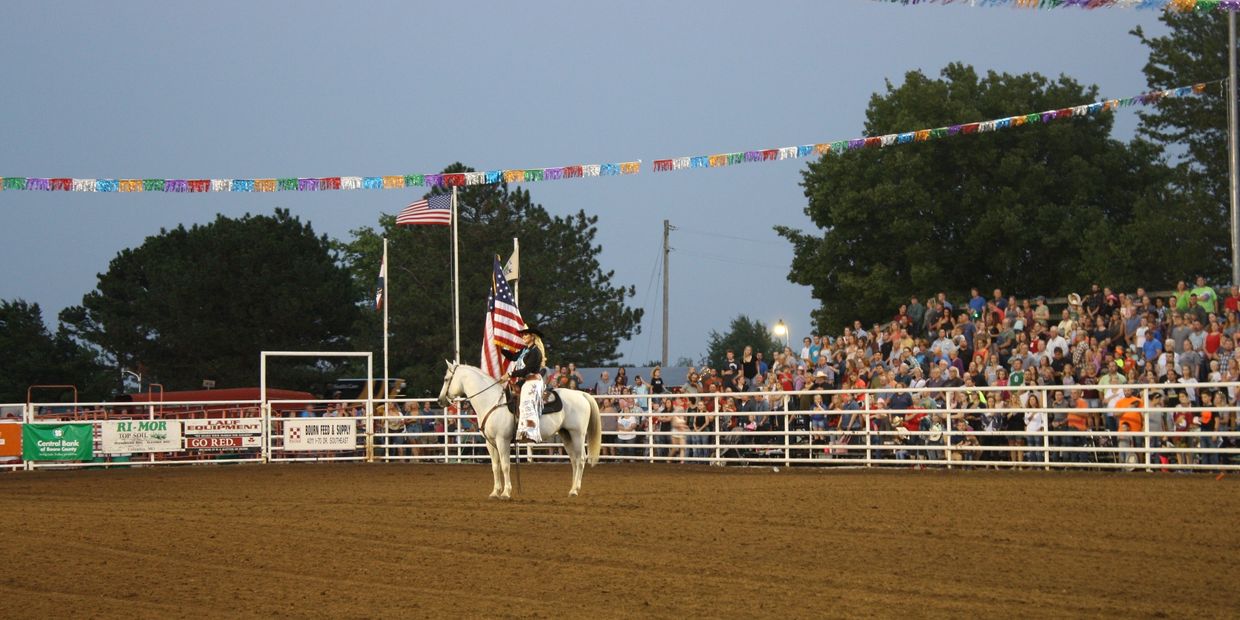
(240, 426)
(320, 435)
(126, 436)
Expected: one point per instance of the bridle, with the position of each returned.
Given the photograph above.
(482, 423)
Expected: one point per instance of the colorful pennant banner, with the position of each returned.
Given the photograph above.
(316, 184)
(1200, 6)
(530, 175)
(921, 135)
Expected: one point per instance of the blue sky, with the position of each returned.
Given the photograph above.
(271, 89)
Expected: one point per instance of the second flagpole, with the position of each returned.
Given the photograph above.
(387, 301)
(456, 286)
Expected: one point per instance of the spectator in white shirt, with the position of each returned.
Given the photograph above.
(1055, 341)
(1169, 360)
(1188, 377)
(626, 433)
(1035, 422)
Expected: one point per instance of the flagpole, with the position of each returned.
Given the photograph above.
(516, 284)
(387, 301)
(456, 284)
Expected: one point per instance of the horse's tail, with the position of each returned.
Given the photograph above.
(594, 431)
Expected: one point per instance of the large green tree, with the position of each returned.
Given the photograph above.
(742, 332)
(1039, 209)
(35, 356)
(563, 289)
(1194, 129)
(200, 303)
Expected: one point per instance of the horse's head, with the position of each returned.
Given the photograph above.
(451, 387)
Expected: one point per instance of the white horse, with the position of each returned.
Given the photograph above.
(578, 424)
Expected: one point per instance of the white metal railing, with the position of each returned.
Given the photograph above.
(787, 434)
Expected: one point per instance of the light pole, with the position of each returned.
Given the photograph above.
(137, 376)
(781, 331)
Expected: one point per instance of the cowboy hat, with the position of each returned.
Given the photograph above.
(1074, 299)
(533, 331)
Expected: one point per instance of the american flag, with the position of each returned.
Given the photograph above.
(503, 325)
(433, 211)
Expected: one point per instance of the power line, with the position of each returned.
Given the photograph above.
(654, 271)
(733, 261)
(722, 236)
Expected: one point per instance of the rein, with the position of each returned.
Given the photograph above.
(482, 422)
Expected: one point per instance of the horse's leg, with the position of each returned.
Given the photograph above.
(505, 466)
(574, 457)
(579, 439)
(495, 473)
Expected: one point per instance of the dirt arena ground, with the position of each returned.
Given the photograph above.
(347, 541)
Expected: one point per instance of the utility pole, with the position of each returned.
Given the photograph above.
(1233, 165)
(667, 229)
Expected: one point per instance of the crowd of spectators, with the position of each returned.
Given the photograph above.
(1082, 355)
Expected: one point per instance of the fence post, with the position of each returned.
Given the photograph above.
(1046, 427)
(718, 447)
(264, 413)
(650, 433)
(150, 458)
(370, 421)
(27, 418)
(1145, 424)
(787, 432)
(947, 432)
(869, 458)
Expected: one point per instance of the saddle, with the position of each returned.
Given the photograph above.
(551, 402)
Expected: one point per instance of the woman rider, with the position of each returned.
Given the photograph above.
(527, 365)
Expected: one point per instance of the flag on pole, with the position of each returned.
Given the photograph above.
(503, 325)
(512, 268)
(433, 211)
(381, 289)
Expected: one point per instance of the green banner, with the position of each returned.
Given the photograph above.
(63, 442)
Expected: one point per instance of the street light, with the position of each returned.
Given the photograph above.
(133, 374)
(781, 330)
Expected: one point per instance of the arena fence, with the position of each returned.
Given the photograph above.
(944, 427)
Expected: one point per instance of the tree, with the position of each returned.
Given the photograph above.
(1042, 209)
(201, 303)
(1194, 129)
(743, 332)
(563, 289)
(34, 356)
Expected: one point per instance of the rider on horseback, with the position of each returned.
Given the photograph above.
(527, 365)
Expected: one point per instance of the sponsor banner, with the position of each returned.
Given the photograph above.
(240, 426)
(10, 439)
(320, 434)
(60, 442)
(128, 436)
(217, 442)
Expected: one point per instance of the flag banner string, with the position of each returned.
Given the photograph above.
(1182, 6)
(530, 175)
(840, 147)
(317, 184)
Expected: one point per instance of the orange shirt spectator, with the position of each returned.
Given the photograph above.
(1079, 421)
(1128, 407)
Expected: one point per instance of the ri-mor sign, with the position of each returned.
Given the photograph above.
(126, 436)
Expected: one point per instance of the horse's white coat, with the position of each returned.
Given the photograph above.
(578, 424)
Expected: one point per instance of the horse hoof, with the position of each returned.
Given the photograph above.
(493, 496)
(572, 493)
